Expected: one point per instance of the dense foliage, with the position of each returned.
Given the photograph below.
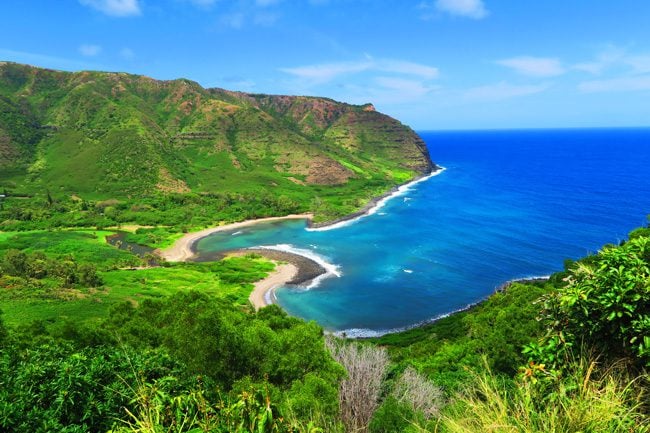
(186, 353)
(87, 378)
(494, 330)
(131, 140)
(23, 266)
(604, 305)
(178, 211)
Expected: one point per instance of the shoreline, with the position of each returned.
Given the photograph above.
(374, 204)
(291, 268)
(365, 334)
(296, 269)
(263, 291)
(184, 248)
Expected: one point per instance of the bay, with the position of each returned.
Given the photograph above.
(509, 204)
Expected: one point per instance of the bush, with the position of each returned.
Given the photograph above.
(393, 417)
(606, 305)
(359, 392)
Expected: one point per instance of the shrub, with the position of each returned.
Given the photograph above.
(606, 305)
(359, 392)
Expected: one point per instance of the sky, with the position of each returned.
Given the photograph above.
(433, 64)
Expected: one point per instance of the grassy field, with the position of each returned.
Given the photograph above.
(24, 300)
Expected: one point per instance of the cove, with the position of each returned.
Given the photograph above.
(510, 204)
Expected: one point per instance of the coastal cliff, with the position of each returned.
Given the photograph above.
(114, 135)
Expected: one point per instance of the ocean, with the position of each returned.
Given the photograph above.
(509, 204)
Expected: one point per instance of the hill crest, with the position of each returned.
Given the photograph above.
(114, 134)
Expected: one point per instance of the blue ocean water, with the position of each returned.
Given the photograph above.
(510, 204)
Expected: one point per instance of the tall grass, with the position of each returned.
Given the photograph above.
(589, 398)
(156, 411)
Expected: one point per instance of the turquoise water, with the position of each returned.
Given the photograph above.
(510, 204)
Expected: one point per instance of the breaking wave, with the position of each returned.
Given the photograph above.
(331, 269)
(378, 205)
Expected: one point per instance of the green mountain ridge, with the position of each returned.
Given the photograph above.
(102, 135)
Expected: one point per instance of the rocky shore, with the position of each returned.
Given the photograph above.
(307, 268)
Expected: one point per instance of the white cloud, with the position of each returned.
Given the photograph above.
(382, 81)
(243, 13)
(127, 53)
(89, 50)
(408, 68)
(386, 91)
(613, 57)
(116, 8)
(326, 72)
(409, 89)
(503, 90)
(640, 64)
(591, 67)
(621, 84)
(534, 66)
(464, 8)
(234, 20)
(610, 56)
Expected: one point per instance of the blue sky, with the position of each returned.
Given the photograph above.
(433, 64)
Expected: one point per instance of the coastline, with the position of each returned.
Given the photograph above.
(291, 268)
(374, 204)
(363, 334)
(261, 294)
(295, 268)
(184, 250)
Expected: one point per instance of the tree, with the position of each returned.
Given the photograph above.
(359, 392)
(15, 263)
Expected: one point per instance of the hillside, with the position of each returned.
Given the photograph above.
(100, 135)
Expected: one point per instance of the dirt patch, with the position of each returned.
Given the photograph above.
(326, 171)
(296, 181)
(167, 183)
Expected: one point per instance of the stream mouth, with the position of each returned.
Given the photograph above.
(118, 240)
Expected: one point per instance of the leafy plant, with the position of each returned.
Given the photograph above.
(605, 305)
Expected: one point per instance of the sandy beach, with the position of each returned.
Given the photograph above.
(182, 249)
(290, 268)
(283, 274)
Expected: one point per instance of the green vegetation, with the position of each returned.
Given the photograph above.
(154, 237)
(85, 246)
(189, 361)
(589, 398)
(177, 348)
(605, 304)
(75, 276)
(96, 339)
(94, 149)
(495, 330)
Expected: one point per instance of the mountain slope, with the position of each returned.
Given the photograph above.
(105, 135)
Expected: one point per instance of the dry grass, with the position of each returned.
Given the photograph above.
(589, 399)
